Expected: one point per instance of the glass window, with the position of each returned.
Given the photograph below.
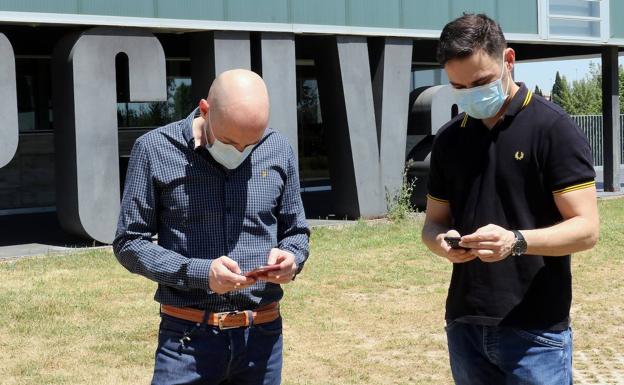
(581, 8)
(34, 99)
(26, 102)
(154, 114)
(313, 159)
(34, 105)
(580, 28)
(580, 19)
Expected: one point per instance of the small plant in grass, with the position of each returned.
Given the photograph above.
(399, 202)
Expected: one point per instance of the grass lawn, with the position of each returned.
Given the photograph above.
(368, 309)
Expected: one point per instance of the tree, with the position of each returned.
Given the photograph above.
(153, 114)
(538, 91)
(586, 97)
(621, 76)
(560, 93)
(182, 100)
(308, 107)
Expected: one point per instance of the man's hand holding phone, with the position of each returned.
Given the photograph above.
(491, 243)
(453, 251)
(287, 267)
(225, 276)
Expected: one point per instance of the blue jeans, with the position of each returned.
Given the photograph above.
(492, 355)
(245, 356)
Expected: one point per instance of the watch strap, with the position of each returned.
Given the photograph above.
(520, 245)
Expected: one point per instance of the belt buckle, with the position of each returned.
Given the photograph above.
(221, 318)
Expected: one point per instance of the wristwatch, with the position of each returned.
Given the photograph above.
(520, 246)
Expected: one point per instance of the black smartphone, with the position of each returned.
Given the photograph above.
(454, 242)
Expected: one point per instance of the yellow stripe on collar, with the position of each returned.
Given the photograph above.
(527, 99)
(463, 123)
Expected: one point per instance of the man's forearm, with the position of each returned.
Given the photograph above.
(298, 245)
(570, 236)
(431, 234)
(166, 267)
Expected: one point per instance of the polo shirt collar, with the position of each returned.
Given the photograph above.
(519, 101)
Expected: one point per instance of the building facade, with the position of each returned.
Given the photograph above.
(353, 85)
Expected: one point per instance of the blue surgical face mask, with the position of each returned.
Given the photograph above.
(484, 101)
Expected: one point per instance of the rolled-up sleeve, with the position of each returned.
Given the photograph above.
(138, 223)
(293, 230)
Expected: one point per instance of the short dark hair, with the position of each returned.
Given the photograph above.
(468, 34)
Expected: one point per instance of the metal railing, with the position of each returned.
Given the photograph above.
(591, 125)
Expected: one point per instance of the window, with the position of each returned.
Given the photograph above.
(577, 19)
(313, 159)
(155, 114)
(34, 105)
(34, 97)
(581, 8)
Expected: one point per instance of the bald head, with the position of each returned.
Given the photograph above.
(238, 105)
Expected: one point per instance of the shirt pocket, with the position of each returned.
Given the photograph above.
(264, 193)
(173, 210)
(190, 200)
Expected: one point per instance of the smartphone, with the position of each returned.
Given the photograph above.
(261, 271)
(454, 242)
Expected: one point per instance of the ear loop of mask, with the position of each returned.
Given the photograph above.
(209, 126)
(508, 78)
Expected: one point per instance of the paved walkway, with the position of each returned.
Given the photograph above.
(40, 234)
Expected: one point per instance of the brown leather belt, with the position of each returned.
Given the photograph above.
(225, 320)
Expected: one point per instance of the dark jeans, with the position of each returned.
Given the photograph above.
(492, 355)
(245, 356)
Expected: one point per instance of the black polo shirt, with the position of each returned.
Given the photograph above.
(508, 176)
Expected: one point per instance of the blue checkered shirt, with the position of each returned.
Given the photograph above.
(201, 211)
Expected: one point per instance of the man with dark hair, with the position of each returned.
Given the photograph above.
(513, 178)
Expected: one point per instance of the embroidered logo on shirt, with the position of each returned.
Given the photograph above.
(519, 155)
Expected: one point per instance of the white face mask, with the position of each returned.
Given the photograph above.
(228, 155)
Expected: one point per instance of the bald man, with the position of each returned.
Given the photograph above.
(221, 190)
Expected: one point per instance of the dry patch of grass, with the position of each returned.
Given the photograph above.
(598, 303)
(368, 309)
(78, 319)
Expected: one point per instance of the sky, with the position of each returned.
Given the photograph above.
(540, 73)
(543, 73)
